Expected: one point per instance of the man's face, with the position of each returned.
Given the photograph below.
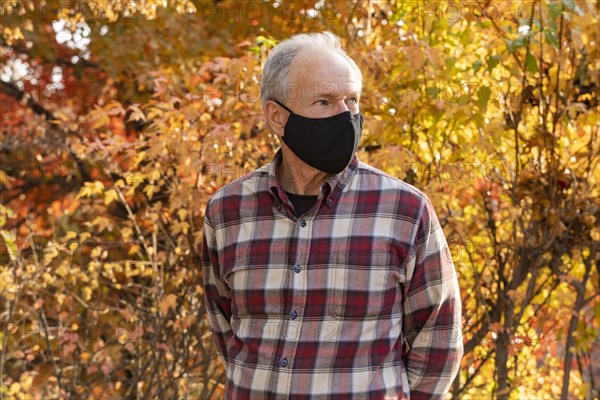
(322, 83)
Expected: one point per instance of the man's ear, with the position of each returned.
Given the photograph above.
(276, 117)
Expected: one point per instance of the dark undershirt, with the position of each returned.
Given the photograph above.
(301, 202)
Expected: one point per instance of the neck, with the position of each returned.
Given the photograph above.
(298, 177)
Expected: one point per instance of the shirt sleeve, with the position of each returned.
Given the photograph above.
(432, 312)
(216, 294)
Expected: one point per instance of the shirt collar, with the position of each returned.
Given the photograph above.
(332, 187)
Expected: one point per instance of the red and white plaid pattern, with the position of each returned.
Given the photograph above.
(356, 299)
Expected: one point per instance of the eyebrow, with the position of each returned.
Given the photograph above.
(332, 95)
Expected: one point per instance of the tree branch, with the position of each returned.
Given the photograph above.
(60, 61)
(12, 90)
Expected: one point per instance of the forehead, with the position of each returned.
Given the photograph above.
(323, 72)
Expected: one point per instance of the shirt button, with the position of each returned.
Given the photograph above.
(330, 201)
(297, 269)
(283, 362)
(293, 315)
(303, 222)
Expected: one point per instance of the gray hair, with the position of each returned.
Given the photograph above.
(274, 79)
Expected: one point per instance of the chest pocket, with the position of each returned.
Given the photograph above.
(364, 286)
(256, 276)
(257, 290)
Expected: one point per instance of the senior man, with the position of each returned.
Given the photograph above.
(326, 278)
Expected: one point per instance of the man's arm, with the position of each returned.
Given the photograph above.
(432, 312)
(216, 294)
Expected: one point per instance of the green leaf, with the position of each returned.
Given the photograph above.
(433, 92)
(531, 63)
(554, 9)
(569, 4)
(552, 27)
(483, 96)
(514, 45)
(269, 42)
(492, 62)
(551, 38)
(477, 66)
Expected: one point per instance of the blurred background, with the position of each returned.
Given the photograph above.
(119, 119)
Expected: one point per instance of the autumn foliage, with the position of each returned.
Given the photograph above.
(120, 119)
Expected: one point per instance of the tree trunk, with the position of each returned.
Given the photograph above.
(579, 303)
(502, 346)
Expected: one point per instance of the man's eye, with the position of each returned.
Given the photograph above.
(353, 100)
(323, 102)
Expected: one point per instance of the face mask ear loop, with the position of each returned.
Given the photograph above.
(290, 111)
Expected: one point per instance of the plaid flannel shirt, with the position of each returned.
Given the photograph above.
(355, 299)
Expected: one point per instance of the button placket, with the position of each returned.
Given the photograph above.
(293, 324)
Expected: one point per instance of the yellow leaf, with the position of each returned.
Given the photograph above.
(139, 157)
(61, 116)
(14, 388)
(98, 187)
(10, 243)
(90, 188)
(167, 303)
(83, 192)
(87, 293)
(134, 178)
(27, 25)
(154, 175)
(126, 233)
(133, 249)
(110, 196)
(100, 121)
(155, 112)
(149, 190)
(96, 251)
(136, 115)
(114, 108)
(179, 227)
(26, 380)
(102, 223)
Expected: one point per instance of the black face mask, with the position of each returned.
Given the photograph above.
(327, 144)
